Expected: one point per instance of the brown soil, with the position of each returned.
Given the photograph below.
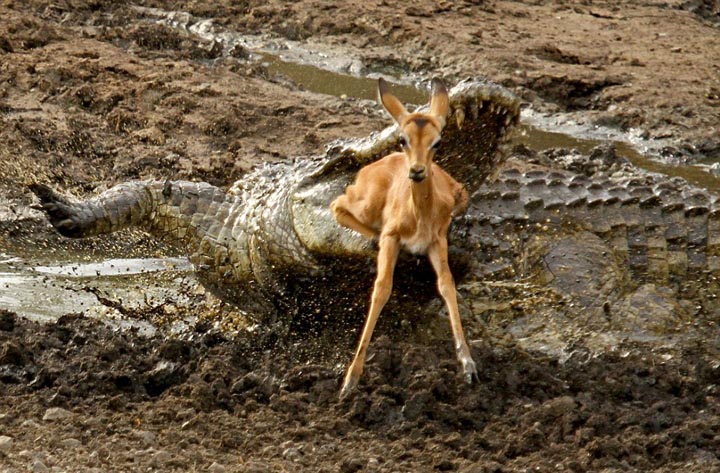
(91, 96)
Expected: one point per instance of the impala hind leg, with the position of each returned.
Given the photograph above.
(438, 255)
(387, 257)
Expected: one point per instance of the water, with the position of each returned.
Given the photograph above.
(329, 82)
(46, 292)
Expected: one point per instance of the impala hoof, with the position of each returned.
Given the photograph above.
(349, 386)
(469, 370)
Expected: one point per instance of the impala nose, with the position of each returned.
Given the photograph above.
(417, 173)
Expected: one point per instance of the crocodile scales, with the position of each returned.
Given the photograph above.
(272, 233)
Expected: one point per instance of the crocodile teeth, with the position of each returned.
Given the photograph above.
(507, 120)
(459, 117)
(491, 108)
(474, 110)
(480, 104)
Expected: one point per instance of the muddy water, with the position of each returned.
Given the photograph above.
(44, 292)
(322, 81)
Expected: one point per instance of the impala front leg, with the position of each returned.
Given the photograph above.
(387, 256)
(340, 209)
(438, 255)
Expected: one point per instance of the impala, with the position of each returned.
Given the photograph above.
(407, 201)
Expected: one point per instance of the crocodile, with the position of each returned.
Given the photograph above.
(259, 242)
(608, 242)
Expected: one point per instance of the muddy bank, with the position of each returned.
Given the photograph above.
(79, 395)
(650, 68)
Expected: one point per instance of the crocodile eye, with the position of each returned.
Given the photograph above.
(403, 142)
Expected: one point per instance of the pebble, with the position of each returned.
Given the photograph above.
(143, 453)
(147, 438)
(6, 443)
(160, 458)
(38, 467)
(30, 424)
(56, 413)
(216, 468)
(292, 454)
(70, 443)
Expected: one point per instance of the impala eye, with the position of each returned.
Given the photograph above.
(403, 142)
(435, 145)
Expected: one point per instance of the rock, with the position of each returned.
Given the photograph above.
(56, 413)
(30, 424)
(152, 135)
(38, 467)
(70, 443)
(147, 438)
(216, 468)
(160, 458)
(163, 375)
(6, 444)
(292, 454)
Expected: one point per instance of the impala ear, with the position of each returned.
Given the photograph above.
(439, 102)
(390, 102)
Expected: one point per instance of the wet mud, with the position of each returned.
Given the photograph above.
(89, 396)
(93, 93)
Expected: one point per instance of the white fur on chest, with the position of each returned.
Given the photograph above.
(418, 243)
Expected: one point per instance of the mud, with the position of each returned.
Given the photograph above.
(94, 92)
(79, 395)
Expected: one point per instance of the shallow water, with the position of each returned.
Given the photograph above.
(46, 292)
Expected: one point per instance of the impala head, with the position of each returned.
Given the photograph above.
(419, 132)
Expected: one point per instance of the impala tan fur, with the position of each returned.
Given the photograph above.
(406, 200)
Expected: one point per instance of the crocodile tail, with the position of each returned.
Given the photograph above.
(122, 206)
(176, 212)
